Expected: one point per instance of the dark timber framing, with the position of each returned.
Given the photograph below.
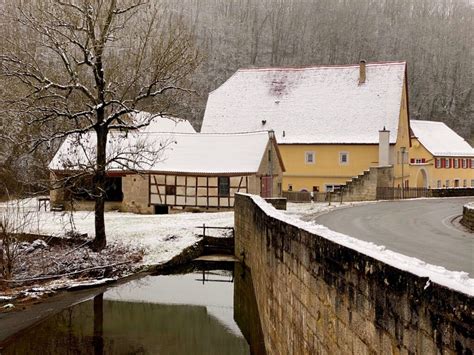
(200, 191)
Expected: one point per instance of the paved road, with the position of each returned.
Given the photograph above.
(419, 228)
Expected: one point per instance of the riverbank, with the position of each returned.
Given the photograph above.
(33, 312)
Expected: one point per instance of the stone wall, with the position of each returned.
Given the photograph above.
(468, 216)
(136, 194)
(278, 202)
(318, 297)
(364, 186)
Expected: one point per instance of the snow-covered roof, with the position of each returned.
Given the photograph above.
(163, 123)
(324, 104)
(168, 152)
(440, 140)
(214, 153)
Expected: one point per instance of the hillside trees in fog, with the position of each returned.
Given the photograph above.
(433, 36)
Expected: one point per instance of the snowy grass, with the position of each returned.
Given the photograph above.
(161, 236)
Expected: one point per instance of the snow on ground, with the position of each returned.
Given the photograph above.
(303, 210)
(164, 236)
(161, 236)
(457, 280)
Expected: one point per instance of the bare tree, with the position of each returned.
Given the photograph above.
(94, 63)
(15, 220)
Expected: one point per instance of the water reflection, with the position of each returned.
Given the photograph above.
(246, 311)
(155, 315)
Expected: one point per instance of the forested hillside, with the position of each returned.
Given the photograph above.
(433, 36)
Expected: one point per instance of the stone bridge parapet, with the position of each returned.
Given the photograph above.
(468, 216)
(316, 296)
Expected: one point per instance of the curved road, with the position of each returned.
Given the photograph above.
(418, 228)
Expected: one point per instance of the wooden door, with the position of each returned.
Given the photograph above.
(266, 186)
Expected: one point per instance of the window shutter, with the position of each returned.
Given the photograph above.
(443, 163)
(412, 160)
(423, 160)
(451, 162)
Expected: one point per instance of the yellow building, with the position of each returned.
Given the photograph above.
(326, 119)
(439, 158)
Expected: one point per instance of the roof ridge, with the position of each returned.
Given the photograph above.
(207, 133)
(321, 66)
(429, 121)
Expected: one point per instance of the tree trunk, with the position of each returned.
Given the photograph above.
(99, 191)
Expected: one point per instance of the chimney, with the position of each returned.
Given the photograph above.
(384, 147)
(362, 74)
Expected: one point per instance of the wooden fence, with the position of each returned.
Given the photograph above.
(397, 193)
(299, 196)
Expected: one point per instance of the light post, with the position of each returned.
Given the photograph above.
(403, 150)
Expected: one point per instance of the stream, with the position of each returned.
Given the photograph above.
(190, 313)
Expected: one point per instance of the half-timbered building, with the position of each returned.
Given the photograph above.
(192, 172)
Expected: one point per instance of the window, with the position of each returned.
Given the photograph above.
(438, 185)
(332, 188)
(417, 161)
(343, 158)
(170, 190)
(447, 183)
(290, 187)
(472, 163)
(438, 163)
(309, 157)
(447, 163)
(464, 163)
(224, 189)
(456, 183)
(464, 183)
(472, 183)
(456, 163)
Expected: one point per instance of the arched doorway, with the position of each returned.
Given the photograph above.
(422, 179)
